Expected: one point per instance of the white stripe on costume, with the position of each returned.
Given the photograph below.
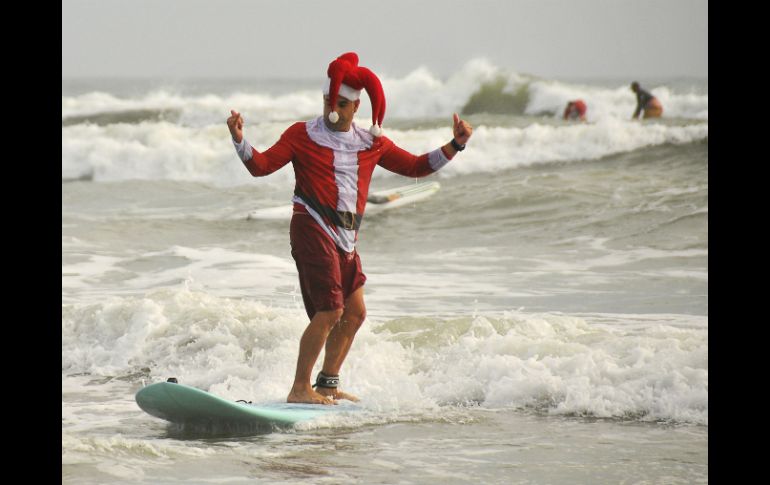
(346, 145)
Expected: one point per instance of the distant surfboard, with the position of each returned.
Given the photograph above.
(181, 404)
(376, 202)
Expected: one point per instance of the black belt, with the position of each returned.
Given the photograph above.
(344, 219)
(348, 220)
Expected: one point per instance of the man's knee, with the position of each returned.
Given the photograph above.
(328, 319)
(354, 317)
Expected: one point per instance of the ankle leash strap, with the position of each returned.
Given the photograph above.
(329, 382)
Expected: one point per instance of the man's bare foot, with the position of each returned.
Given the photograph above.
(308, 396)
(336, 394)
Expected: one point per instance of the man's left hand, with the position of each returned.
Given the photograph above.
(462, 130)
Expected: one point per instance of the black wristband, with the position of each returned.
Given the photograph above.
(457, 146)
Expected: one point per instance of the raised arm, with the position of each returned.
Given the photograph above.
(258, 164)
(402, 162)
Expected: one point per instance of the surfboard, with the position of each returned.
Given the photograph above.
(376, 202)
(181, 404)
(400, 196)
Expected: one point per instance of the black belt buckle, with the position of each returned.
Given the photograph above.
(348, 219)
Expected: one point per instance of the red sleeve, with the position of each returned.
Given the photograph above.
(273, 158)
(404, 163)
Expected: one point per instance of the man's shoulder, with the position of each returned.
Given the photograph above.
(297, 131)
(383, 141)
(297, 127)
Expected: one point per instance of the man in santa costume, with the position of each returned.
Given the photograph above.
(333, 162)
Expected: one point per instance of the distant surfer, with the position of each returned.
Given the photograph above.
(333, 163)
(645, 102)
(575, 110)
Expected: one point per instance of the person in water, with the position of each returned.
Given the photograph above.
(333, 162)
(575, 110)
(645, 102)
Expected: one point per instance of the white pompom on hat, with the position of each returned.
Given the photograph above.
(347, 79)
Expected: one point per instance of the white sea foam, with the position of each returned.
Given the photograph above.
(232, 273)
(613, 103)
(200, 110)
(420, 94)
(648, 369)
(166, 151)
(184, 136)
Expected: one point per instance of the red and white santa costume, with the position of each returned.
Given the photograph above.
(333, 169)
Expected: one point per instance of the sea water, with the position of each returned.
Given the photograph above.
(543, 318)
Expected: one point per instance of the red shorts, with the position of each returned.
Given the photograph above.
(327, 274)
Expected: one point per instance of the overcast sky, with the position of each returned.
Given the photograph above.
(295, 38)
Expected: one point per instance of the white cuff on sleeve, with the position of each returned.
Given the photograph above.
(244, 149)
(437, 159)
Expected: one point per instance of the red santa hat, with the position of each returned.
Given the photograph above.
(347, 79)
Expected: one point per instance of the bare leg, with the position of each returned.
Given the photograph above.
(341, 338)
(310, 346)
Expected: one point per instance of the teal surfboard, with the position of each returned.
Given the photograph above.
(183, 404)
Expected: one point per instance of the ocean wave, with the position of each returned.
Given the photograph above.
(477, 87)
(550, 98)
(127, 116)
(606, 367)
(196, 111)
(169, 151)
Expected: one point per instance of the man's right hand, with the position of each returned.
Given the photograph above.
(235, 124)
